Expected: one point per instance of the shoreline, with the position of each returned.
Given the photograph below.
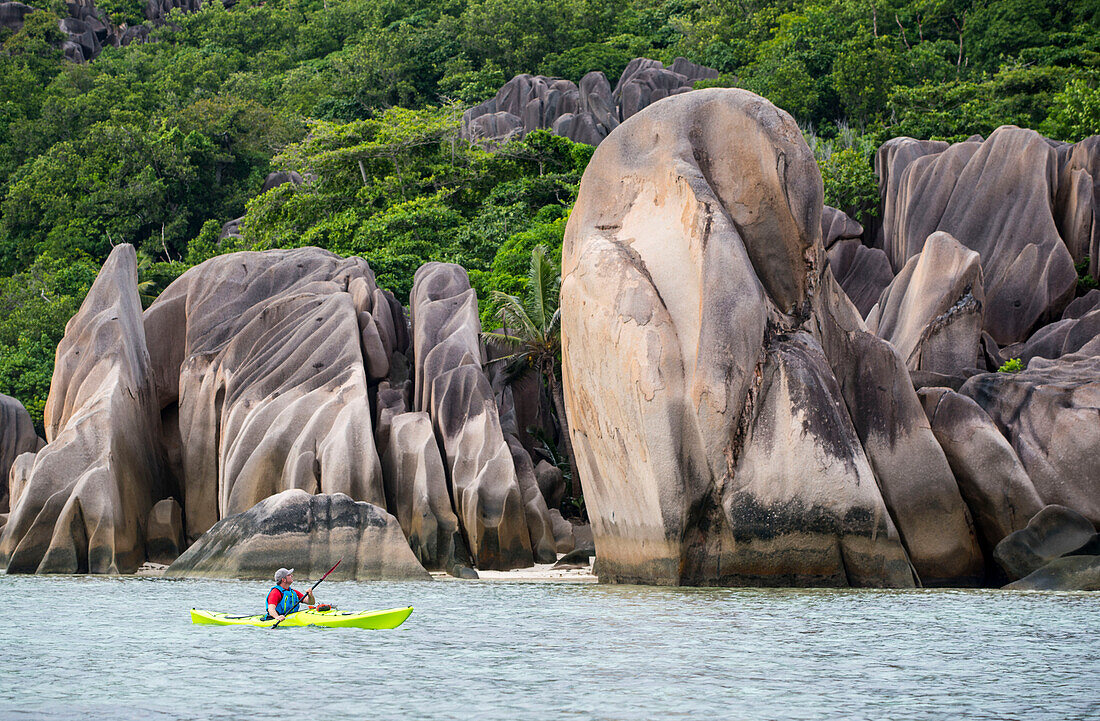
(540, 572)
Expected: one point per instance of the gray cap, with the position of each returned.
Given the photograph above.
(282, 573)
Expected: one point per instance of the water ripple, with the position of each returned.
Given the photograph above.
(125, 648)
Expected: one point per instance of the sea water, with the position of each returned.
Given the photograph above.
(125, 648)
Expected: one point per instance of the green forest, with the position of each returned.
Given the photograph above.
(158, 144)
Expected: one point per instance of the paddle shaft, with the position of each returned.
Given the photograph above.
(276, 624)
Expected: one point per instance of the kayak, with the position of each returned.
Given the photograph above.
(333, 618)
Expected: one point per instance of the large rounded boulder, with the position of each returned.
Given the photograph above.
(723, 440)
(308, 533)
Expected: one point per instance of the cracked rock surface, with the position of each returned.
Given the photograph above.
(727, 441)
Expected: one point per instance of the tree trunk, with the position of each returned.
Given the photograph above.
(559, 408)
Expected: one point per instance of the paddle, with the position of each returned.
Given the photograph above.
(276, 624)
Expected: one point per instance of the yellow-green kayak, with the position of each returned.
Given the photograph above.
(387, 618)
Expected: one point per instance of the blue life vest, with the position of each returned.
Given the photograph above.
(289, 602)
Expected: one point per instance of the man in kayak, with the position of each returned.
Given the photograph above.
(283, 600)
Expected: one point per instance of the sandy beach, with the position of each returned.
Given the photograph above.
(538, 572)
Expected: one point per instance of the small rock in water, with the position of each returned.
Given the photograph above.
(575, 559)
(1053, 532)
(1069, 573)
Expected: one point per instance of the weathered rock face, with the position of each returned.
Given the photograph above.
(19, 476)
(12, 14)
(308, 533)
(1080, 306)
(564, 541)
(452, 387)
(699, 259)
(1077, 203)
(646, 81)
(88, 29)
(1069, 335)
(259, 360)
(597, 115)
(822, 534)
(912, 472)
(584, 113)
(890, 160)
(996, 198)
(836, 225)
(932, 311)
(416, 490)
(255, 373)
(1050, 413)
(1055, 531)
(991, 478)
(525, 103)
(17, 437)
(551, 483)
(164, 532)
(862, 272)
(280, 177)
(539, 525)
(90, 490)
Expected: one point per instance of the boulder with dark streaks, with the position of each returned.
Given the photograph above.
(1080, 306)
(164, 532)
(18, 477)
(261, 354)
(416, 492)
(1053, 532)
(693, 437)
(1069, 573)
(912, 471)
(584, 113)
(836, 225)
(308, 533)
(1050, 414)
(890, 161)
(12, 14)
(1064, 337)
(932, 311)
(1077, 203)
(1001, 497)
(89, 491)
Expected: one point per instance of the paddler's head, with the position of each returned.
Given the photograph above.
(284, 577)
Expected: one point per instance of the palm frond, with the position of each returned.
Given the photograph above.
(508, 341)
(542, 288)
(517, 367)
(554, 329)
(515, 317)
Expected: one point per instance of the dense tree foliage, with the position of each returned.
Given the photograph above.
(160, 143)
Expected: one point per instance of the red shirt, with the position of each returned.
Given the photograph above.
(276, 595)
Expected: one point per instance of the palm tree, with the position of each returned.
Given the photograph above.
(532, 330)
(147, 286)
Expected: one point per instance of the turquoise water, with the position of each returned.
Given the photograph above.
(124, 648)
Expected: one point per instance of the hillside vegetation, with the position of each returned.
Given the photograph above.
(159, 144)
